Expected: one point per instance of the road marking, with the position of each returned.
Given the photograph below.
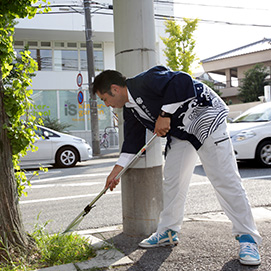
(30, 173)
(257, 177)
(106, 174)
(243, 179)
(65, 198)
(89, 184)
(70, 176)
(62, 185)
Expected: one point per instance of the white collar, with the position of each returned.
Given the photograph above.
(131, 102)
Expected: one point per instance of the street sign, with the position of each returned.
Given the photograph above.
(80, 97)
(79, 79)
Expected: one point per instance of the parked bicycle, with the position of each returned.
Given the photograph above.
(108, 138)
(104, 142)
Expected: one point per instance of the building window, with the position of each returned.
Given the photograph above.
(44, 59)
(83, 60)
(59, 44)
(98, 60)
(59, 56)
(42, 56)
(97, 46)
(72, 45)
(63, 105)
(66, 60)
(18, 43)
(83, 45)
(32, 43)
(45, 44)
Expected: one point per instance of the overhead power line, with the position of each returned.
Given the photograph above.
(165, 17)
(72, 9)
(207, 5)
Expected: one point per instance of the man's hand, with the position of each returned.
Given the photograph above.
(111, 182)
(162, 126)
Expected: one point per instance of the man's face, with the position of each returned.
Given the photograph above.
(116, 100)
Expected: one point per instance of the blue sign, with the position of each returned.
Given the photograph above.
(80, 97)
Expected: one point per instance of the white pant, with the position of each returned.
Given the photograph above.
(217, 158)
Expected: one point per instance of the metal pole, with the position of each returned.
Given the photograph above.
(91, 74)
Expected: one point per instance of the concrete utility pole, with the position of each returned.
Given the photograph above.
(91, 75)
(141, 186)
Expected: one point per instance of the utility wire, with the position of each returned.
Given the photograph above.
(165, 17)
(157, 16)
(206, 5)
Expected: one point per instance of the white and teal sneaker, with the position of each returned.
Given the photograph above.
(166, 238)
(249, 254)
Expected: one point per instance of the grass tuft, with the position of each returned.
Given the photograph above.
(50, 250)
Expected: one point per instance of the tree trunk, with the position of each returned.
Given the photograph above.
(12, 234)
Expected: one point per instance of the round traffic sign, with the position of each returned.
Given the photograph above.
(80, 97)
(79, 79)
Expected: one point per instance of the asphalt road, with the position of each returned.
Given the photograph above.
(58, 195)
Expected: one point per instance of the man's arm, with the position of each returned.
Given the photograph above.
(174, 87)
(162, 125)
(111, 182)
(134, 139)
(134, 133)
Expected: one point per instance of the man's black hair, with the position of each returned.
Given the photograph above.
(105, 79)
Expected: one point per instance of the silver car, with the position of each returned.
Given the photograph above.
(251, 134)
(57, 149)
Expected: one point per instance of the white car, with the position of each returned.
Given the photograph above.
(57, 149)
(251, 134)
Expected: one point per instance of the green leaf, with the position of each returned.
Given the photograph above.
(180, 45)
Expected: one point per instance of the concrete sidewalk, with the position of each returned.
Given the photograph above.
(206, 243)
(108, 153)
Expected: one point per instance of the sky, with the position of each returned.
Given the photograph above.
(219, 30)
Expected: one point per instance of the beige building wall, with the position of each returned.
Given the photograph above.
(241, 70)
(234, 68)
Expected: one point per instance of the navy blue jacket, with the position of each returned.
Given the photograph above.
(200, 112)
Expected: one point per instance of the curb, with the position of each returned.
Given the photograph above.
(108, 256)
(105, 156)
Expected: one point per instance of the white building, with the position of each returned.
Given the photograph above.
(57, 42)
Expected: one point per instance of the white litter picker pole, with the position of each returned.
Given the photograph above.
(134, 34)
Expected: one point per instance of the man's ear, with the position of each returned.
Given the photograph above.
(115, 88)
